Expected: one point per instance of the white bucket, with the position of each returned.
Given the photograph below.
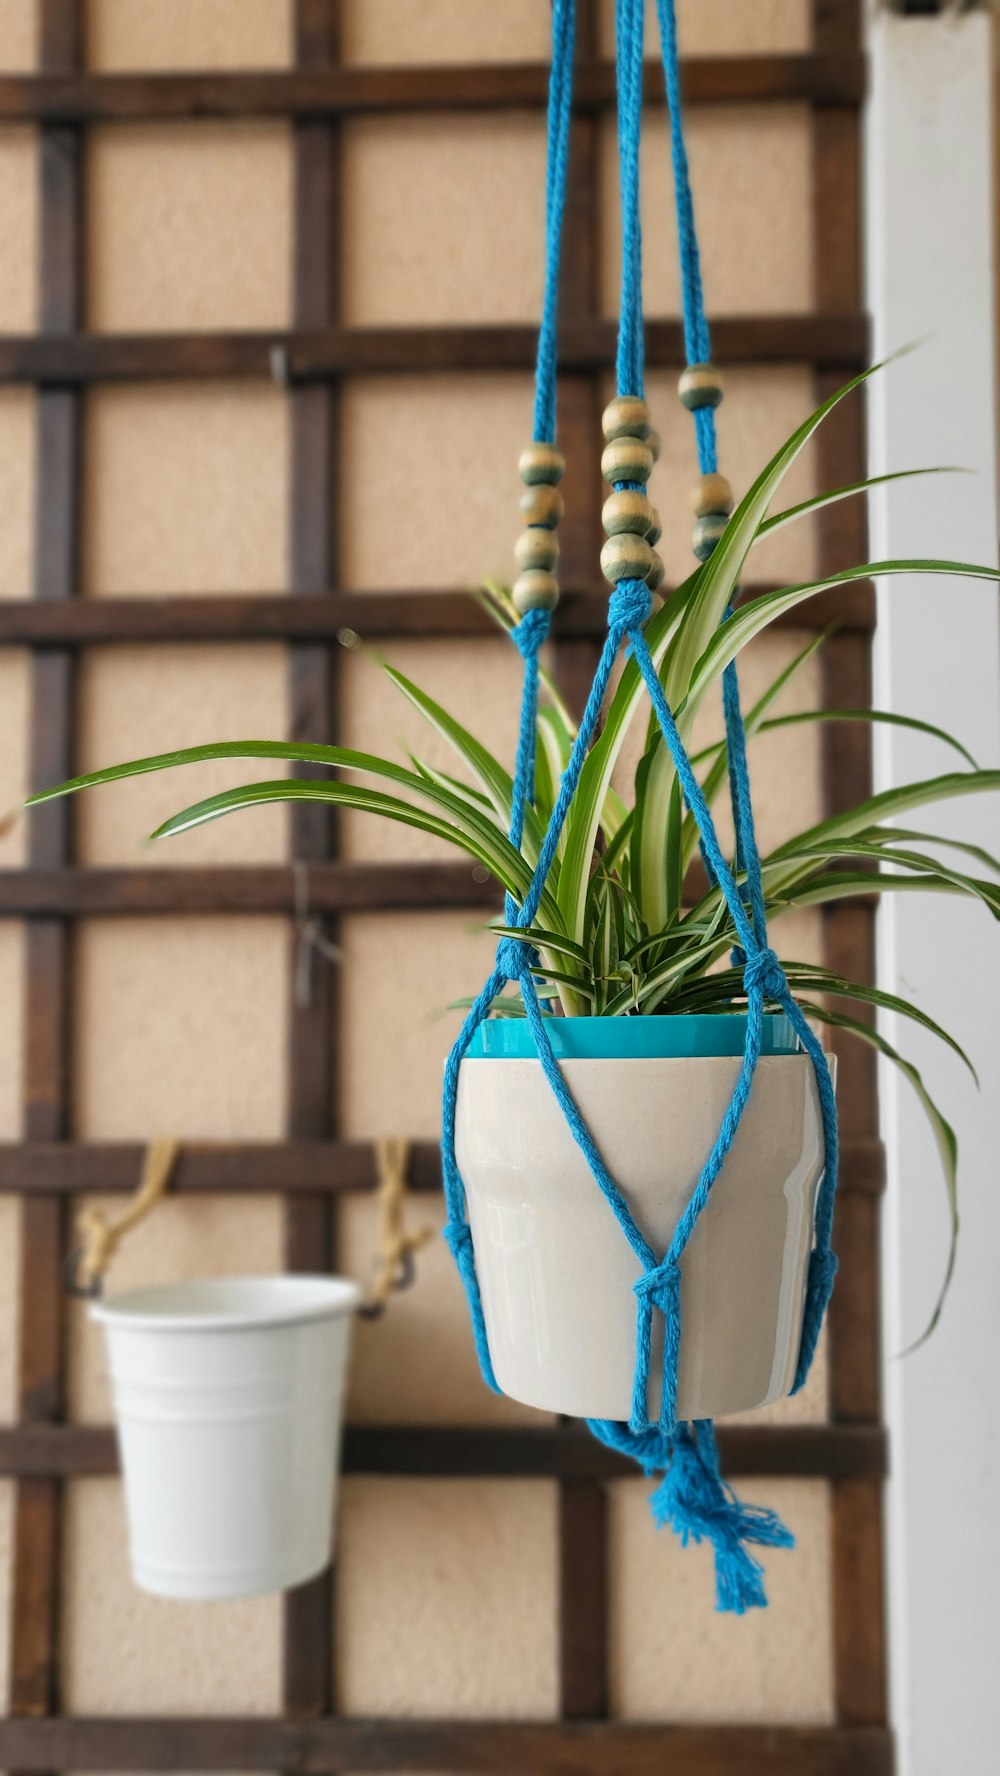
(228, 1395)
(555, 1270)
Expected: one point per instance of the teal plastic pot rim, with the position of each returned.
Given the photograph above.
(631, 1038)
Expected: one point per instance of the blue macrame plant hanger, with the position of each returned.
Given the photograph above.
(691, 1495)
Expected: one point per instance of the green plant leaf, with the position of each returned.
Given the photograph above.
(819, 500)
(944, 1135)
(751, 619)
(875, 716)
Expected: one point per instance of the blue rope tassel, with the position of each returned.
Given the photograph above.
(691, 1496)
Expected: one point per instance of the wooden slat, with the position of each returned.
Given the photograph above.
(859, 1637)
(329, 354)
(309, 1244)
(850, 1453)
(34, 1617)
(268, 888)
(245, 1168)
(334, 616)
(322, 94)
(456, 1747)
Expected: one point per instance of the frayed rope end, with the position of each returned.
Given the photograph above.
(698, 1506)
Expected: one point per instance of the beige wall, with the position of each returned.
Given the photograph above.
(446, 1594)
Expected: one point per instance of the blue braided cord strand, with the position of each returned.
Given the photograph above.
(528, 636)
(697, 341)
(631, 351)
(560, 105)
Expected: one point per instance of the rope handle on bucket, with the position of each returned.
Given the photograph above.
(99, 1237)
(397, 1244)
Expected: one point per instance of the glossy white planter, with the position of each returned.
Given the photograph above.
(228, 1396)
(556, 1271)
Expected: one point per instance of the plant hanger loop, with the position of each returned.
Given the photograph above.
(692, 1495)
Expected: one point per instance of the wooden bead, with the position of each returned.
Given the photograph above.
(654, 578)
(711, 494)
(627, 459)
(655, 530)
(535, 590)
(653, 442)
(627, 511)
(707, 533)
(700, 386)
(541, 463)
(537, 548)
(627, 416)
(626, 557)
(542, 504)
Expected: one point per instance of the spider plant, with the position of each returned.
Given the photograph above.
(616, 932)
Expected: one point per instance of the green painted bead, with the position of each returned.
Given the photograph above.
(537, 548)
(700, 386)
(627, 416)
(542, 504)
(654, 578)
(541, 462)
(653, 442)
(707, 533)
(711, 493)
(626, 557)
(655, 530)
(627, 510)
(535, 590)
(627, 459)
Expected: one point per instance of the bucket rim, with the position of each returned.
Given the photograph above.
(230, 1304)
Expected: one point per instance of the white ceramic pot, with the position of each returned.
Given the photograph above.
(555, 1269)
(228, 1396)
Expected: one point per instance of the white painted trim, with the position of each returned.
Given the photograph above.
(929, 148)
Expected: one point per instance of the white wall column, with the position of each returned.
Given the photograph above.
(930, 223)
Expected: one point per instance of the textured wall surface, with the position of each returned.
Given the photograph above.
(446, 1593)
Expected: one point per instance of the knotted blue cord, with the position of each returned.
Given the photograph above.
(691, 1496)
(560, 107)
(697, 343)
(629, 22)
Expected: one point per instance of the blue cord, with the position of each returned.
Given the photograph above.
(560, 108)
(691, 1496)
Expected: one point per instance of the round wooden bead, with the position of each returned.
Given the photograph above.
(711, 494)
(626, 557)
(537, 548)
(707, 533)
(542, 504)
(655, 530)
(653, 442)
(627, 459)
(541, 462)
(700, 386)
(627, 510)
(535, 590)
(627, 416)
(654, 578)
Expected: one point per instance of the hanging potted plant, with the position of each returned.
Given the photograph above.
(655, 1058)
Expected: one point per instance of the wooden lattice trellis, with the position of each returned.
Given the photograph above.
(41, 1451)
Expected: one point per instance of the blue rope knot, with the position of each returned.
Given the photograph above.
(531, 632)
(458, 1237)
(762, 972)
(514, 958)
(660, 1287)
(629, 605)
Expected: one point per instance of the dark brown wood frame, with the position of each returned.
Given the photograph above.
(41, 1452)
